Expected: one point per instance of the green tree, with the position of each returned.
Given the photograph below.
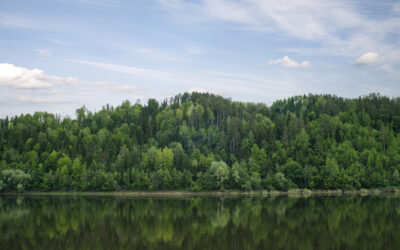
(220, 172)
(15, 179)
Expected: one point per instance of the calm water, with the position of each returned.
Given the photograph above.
(371, 222)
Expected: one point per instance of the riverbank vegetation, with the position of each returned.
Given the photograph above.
(207, 142)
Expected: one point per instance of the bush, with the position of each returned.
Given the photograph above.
(20, 188)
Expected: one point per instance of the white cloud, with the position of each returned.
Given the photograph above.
(366, 59)
(43, 52)
(57, 94)
(289, 63)
(17, 77)
(28, 90)
(21, 78)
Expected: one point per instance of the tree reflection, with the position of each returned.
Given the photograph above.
(200, 223)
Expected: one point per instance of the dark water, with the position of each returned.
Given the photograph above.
(200, 223)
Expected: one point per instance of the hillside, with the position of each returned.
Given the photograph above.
(207, 142)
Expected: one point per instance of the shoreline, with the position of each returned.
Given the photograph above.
(224, 193)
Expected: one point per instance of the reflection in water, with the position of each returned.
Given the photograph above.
(200, 223)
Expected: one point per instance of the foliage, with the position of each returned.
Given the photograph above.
(14, 179)
(207, 142)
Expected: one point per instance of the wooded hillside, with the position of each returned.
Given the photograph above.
(207, 142)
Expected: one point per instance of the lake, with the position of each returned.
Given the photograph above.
(92, 222)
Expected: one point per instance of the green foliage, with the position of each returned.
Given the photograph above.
(14, 179)
(2, 186)
(294, 172)
(330, 174)
(206, 142)
(239, 177)
(20, 188)
(219, 172)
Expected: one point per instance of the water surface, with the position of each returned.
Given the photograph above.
(76, 222)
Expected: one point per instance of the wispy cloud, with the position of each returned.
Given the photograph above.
(219, 82)
(154, 53)
(339, 27)
(310, 19)
(289, 63)
(39, 100)
(231, 11)
(396, 7)
(11, 21)
(125, 88)
(142, 72)
(57, 41)
(366, 59)
(43, 52)
(99, 3)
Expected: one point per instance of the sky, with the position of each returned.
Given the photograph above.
(59, 55)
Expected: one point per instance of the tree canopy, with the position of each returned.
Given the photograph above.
(197, 141)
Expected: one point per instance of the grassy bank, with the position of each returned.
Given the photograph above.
(224, 193)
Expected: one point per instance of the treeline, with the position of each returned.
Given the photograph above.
(207, 142)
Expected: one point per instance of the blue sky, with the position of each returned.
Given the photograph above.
(58, 55)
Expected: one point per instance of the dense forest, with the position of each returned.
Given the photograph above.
(197, 141)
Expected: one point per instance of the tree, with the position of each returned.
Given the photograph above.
(77, 171)
(220, 171)
(64, 166)
(294, 171)
(330, 173)
(15, 179)
(257, 159)
(161, 179)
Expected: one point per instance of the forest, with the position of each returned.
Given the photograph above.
(201, 141)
